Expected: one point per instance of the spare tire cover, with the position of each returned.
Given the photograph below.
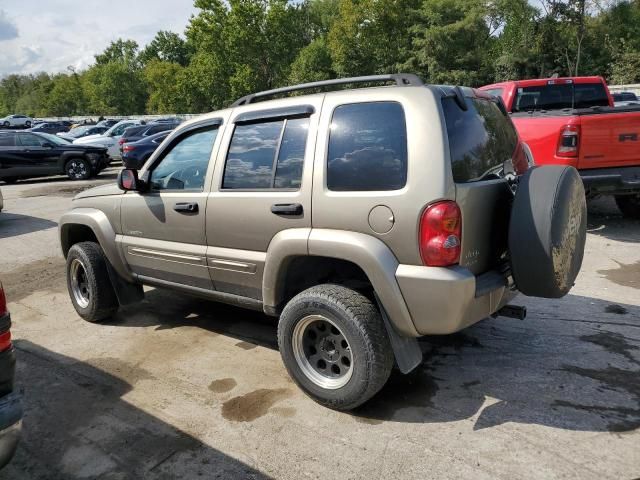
(547, 231)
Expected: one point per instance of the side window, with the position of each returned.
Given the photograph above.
(267, 155)
(367, 147)
(8, 140)
(120, 130)
(156, 129)
(28, 140)
(185, 165)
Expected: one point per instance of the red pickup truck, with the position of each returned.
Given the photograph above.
(572, 121)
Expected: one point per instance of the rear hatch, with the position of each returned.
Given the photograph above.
(483, 145)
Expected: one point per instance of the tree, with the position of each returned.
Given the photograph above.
(168, 47)
(162, 80)
(67, 96)
(124, 51)
(115, 88)
(312, 64)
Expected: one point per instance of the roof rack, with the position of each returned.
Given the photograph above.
(401, 79)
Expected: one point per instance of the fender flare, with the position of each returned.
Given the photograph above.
(101, 227)
(369, 253)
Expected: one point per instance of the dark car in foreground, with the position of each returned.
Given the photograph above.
(10, 401)
(135, 154)
(27, 155)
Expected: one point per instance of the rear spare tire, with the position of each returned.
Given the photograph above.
(547, 231)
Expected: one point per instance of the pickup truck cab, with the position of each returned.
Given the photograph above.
(573, 121)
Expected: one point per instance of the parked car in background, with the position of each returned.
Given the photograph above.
(109, 139)
(10, 399)
(623, 99)
(83, 123)
(572, 121)
(135, 154)
(16, 121)
(49, 127)
(80, 132)
(133, 134)
(27, 155)
(107, 123)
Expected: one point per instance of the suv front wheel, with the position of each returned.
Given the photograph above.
(88, 282)
(334, 345)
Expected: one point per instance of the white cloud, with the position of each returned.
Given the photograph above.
(53, 35)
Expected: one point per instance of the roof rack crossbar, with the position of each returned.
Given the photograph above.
(401, 79)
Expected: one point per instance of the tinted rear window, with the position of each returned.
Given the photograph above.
(367, 147)
(481, 138)
(559, 96)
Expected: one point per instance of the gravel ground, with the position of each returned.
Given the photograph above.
(182, 388)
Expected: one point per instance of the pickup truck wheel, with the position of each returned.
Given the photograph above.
(629, 205)
(88, 282)
(334, 345)
(547, 231)
(78, 169)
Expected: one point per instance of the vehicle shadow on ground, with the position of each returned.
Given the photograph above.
(12, 224)
(573, 364)
(83, 429)
(605, 220)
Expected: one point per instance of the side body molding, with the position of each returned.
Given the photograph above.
(98, 222)
(377, 262)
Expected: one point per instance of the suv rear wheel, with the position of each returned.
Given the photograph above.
(629, 205)
(334, 345)
(88, 282)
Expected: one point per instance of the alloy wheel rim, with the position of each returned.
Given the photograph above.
(77, 169)
(79, 284)
(322, 352)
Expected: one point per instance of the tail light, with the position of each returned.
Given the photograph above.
(5, 337)
(569, 141)
(441, 234)
(519, 159)
(122, 141)
(128, 148)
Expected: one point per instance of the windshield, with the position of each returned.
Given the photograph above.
(78, 132)
(560, 96)
(54, 139)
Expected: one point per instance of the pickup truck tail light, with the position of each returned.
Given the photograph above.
(569, 141)
(441, 234)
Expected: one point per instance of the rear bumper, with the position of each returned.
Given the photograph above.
(613, 180)
(10, 426)
(447, 300)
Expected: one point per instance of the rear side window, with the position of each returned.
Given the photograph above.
(481, 138)
(367, 147)
(266, 155)
(560, 96)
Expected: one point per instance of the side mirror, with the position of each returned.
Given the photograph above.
(128, 180)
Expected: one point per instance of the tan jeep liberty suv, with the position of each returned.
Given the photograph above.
(363, 217)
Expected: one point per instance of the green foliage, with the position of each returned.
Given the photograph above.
(234, 47)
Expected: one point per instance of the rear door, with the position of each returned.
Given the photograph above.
(262, 186)
(482, 144)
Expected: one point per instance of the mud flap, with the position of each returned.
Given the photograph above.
(405, 349)
(127, 293)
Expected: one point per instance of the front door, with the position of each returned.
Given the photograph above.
(38, 159)
(164, 228)
(261, 187)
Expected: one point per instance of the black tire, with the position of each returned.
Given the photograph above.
(548, 231)
(27, 124)
(6, 124)
(102, 302)
(10, 180)
(78, 169)
(629, 205)
(359, 322)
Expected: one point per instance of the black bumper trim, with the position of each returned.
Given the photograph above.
(612, 180)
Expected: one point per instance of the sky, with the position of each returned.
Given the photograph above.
(51, 35)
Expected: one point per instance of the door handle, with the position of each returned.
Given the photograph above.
(186, 207)
(287, 209)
